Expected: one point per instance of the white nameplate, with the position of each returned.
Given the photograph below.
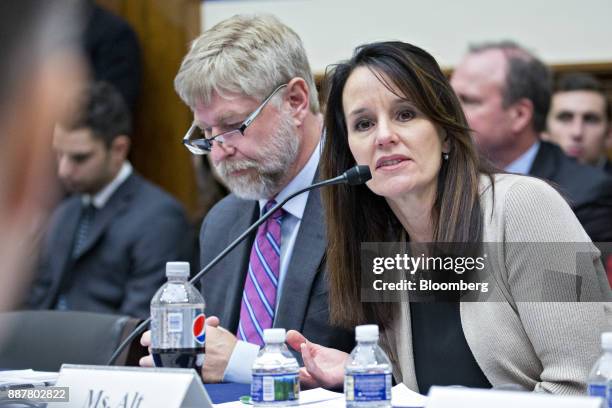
(131, 387)
(446, 397)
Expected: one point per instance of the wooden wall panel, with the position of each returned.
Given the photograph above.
(164, 28)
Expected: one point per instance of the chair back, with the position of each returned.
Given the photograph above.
(45, 339)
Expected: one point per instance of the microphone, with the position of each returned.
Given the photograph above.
(357, 175)
(354, 176)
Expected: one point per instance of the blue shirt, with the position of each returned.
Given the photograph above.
(523, 164)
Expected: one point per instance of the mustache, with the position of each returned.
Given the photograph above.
(228, 167)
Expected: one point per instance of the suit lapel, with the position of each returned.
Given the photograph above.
(117, 203)
(62, 243)
(238, 260)
(305, 261)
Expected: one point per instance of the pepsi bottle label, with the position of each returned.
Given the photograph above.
(368, 387)
(178, 327)
(178, 336)
(275, 387)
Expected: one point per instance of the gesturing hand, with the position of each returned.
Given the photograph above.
(323, 366)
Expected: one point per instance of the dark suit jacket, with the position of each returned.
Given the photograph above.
(303, 303)
(608, 166)
(113, 52)
(122, 263)
(587, 189)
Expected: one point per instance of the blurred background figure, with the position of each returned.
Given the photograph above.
(579, 120)
(113, 52)
(107, 245)
(40, 70)
(505, 93)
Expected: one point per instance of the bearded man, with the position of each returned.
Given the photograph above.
(249, 85)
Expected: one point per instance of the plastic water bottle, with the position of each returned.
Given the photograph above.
(367, 373)
(600, 379)
(276, 380)
(177, 321)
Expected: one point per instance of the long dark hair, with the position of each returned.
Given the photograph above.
(356, 214)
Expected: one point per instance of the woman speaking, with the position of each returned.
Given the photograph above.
(391, 108)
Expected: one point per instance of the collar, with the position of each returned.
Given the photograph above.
(100, 199)
(523, 163)
(304, 178)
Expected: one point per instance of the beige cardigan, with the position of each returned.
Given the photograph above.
(546, 347)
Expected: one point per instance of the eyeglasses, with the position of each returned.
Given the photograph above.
(196, 141)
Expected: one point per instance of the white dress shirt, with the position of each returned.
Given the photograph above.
(100, 199)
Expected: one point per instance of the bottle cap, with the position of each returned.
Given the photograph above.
(177, 270)
(367, 332)
(606, 340)
(274, 335)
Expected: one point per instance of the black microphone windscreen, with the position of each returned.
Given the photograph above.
(358, 175)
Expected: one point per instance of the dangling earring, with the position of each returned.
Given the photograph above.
(445, 156)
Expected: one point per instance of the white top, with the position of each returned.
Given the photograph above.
(177, 270)
(366, 332)
(276, 335)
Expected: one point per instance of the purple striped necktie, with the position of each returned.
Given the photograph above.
(260, 287)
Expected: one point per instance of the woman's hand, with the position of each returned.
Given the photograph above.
(323, 366)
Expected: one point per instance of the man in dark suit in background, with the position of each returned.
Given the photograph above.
(107, 245)
(505, 93)
(113, 51)
(255, 104)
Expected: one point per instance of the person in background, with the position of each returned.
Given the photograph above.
(113, 51)
(256, 112)
(107, 245)
(41, 69)
(580, 120)
(505, 93)
(391, 108)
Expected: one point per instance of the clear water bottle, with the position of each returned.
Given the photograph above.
(600, 379)
(276, 379)
(367, 373)
(177, 321)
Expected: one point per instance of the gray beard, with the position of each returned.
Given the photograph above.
(268, 177)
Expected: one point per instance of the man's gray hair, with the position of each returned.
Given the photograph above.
(245, 54)
(527, 77)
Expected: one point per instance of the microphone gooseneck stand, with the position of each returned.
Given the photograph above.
(354, 176)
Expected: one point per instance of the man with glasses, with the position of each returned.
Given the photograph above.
(256, 113)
